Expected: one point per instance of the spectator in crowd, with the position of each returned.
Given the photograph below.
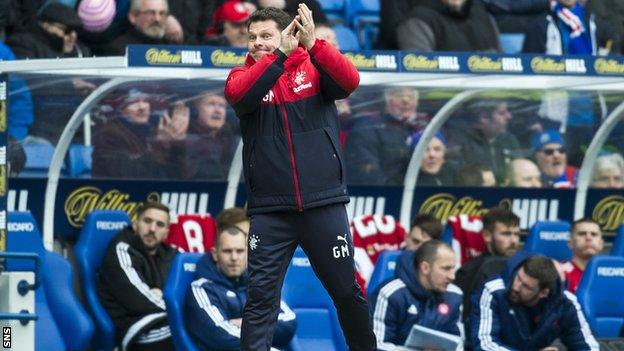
(425, 227)
(585, 242)
(234, 217)
(210, 141)
(191, 16)
(148, 20)
(608, 172)
(501, 233)
(448, 25)
(326, 32)
(523, 173)
(376, 151)
(486, 139)
(550, 153)
(612, 12)
(290, 6)
(515, 16)
(214, 303)
(391, 13)
(20, 104)
(131, 281)
(475, 174)
(140, 144)
(229, 25)
(525, 308)
(434, 169)
(422, 294)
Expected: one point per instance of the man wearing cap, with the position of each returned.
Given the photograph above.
(52, 35)
(230, 28)
(139, 143)
(551, 157)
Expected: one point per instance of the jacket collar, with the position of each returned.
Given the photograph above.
(406, 271)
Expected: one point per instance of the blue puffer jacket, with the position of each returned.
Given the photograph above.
(403, 302)
(213, 299)
(497, 324)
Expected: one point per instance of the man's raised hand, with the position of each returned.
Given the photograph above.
(289, 41)
(305, 26)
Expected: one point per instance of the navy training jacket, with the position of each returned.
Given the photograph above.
(213, 299)
(497, 324)
(289, 124)
(403, 302)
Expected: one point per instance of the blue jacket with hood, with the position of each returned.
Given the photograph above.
(403, 302)
(213, 299)
(497, 324)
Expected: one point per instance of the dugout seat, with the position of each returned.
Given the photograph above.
(618, 243)
(79, 161)
(38, 159)
(98, 230)
(335, 10)
(384, 269)
(550, 238)
(364, 15)
(347, 39)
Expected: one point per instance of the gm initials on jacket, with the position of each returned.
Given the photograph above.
(341, 250)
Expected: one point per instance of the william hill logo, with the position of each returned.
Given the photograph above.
(373, 61)
(608, 66)
(478, 63)
(414, 62)
(558, 65)
(609, 212)
(444, 205)
(225, 58)
(166, 57)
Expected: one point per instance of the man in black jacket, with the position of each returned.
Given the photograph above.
(132, 278)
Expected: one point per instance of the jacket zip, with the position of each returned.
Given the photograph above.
(293, 165)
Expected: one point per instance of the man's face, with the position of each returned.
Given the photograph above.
(504, 240)
(138, 111)
(525, 290)
(525, 174)
(235, 33)
(441, 273)
(434, 157)
(498, 121)
(230, 254)
(151, 18)
(263, 38)
(552, 159)
(455, 5)
(489, 180)
(402, 103)
(153, 227)
(608, 178)
(415, 238)
(586, 240)
(62, 31)
(327, 34)
(211, 111)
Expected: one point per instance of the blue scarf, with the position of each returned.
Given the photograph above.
(574, 32)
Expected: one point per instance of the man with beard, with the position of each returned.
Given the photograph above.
(132, 278)
(448, 25)
(552, 159)
(501, 233)
(525, 308)
(585, 242)
(421, 294)
(149, 25)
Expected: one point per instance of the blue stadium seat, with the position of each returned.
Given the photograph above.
(317, 322)
(347, 39)
(79, 161)
(63, 324)
(447, 235)
(38, 158)
(99, 229)
(598, 295)
(181, 274)
(618, 243)
(335, 10)
(364, 18)
(550, 238)
(384, 269)
(512, 42)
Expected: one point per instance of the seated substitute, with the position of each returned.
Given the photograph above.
(421, 294)
(526, 308)
(585, 242)
(131, 280)
(425, 227)
(215, 300)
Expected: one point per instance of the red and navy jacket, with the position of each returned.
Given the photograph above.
(289, 123)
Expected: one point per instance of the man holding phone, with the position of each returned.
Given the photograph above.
(284, 96)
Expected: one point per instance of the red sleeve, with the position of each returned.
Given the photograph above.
(335, 69)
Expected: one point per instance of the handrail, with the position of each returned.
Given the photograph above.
(23, 286)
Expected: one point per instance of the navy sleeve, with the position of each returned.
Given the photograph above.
(576, 332)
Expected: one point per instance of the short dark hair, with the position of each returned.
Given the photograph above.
(152, 205)
(230, 217)
(471, 174)
(230, 230)
(427, 252)
(279, 16)
(429, 224)
(543, 269)
(583, 220)
(500, 215)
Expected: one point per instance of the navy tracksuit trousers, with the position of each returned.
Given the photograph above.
(323, 233)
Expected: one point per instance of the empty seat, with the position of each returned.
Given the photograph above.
(317, 322)
(347, 39)
(599, 295)
(550, 238)
(63, 324)
(618, 243)
(99, 229)
(364, 18)
(79, 161)
(384, 269)
(335, 10)
(181, 274)
(38, 159)
(512, 42)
